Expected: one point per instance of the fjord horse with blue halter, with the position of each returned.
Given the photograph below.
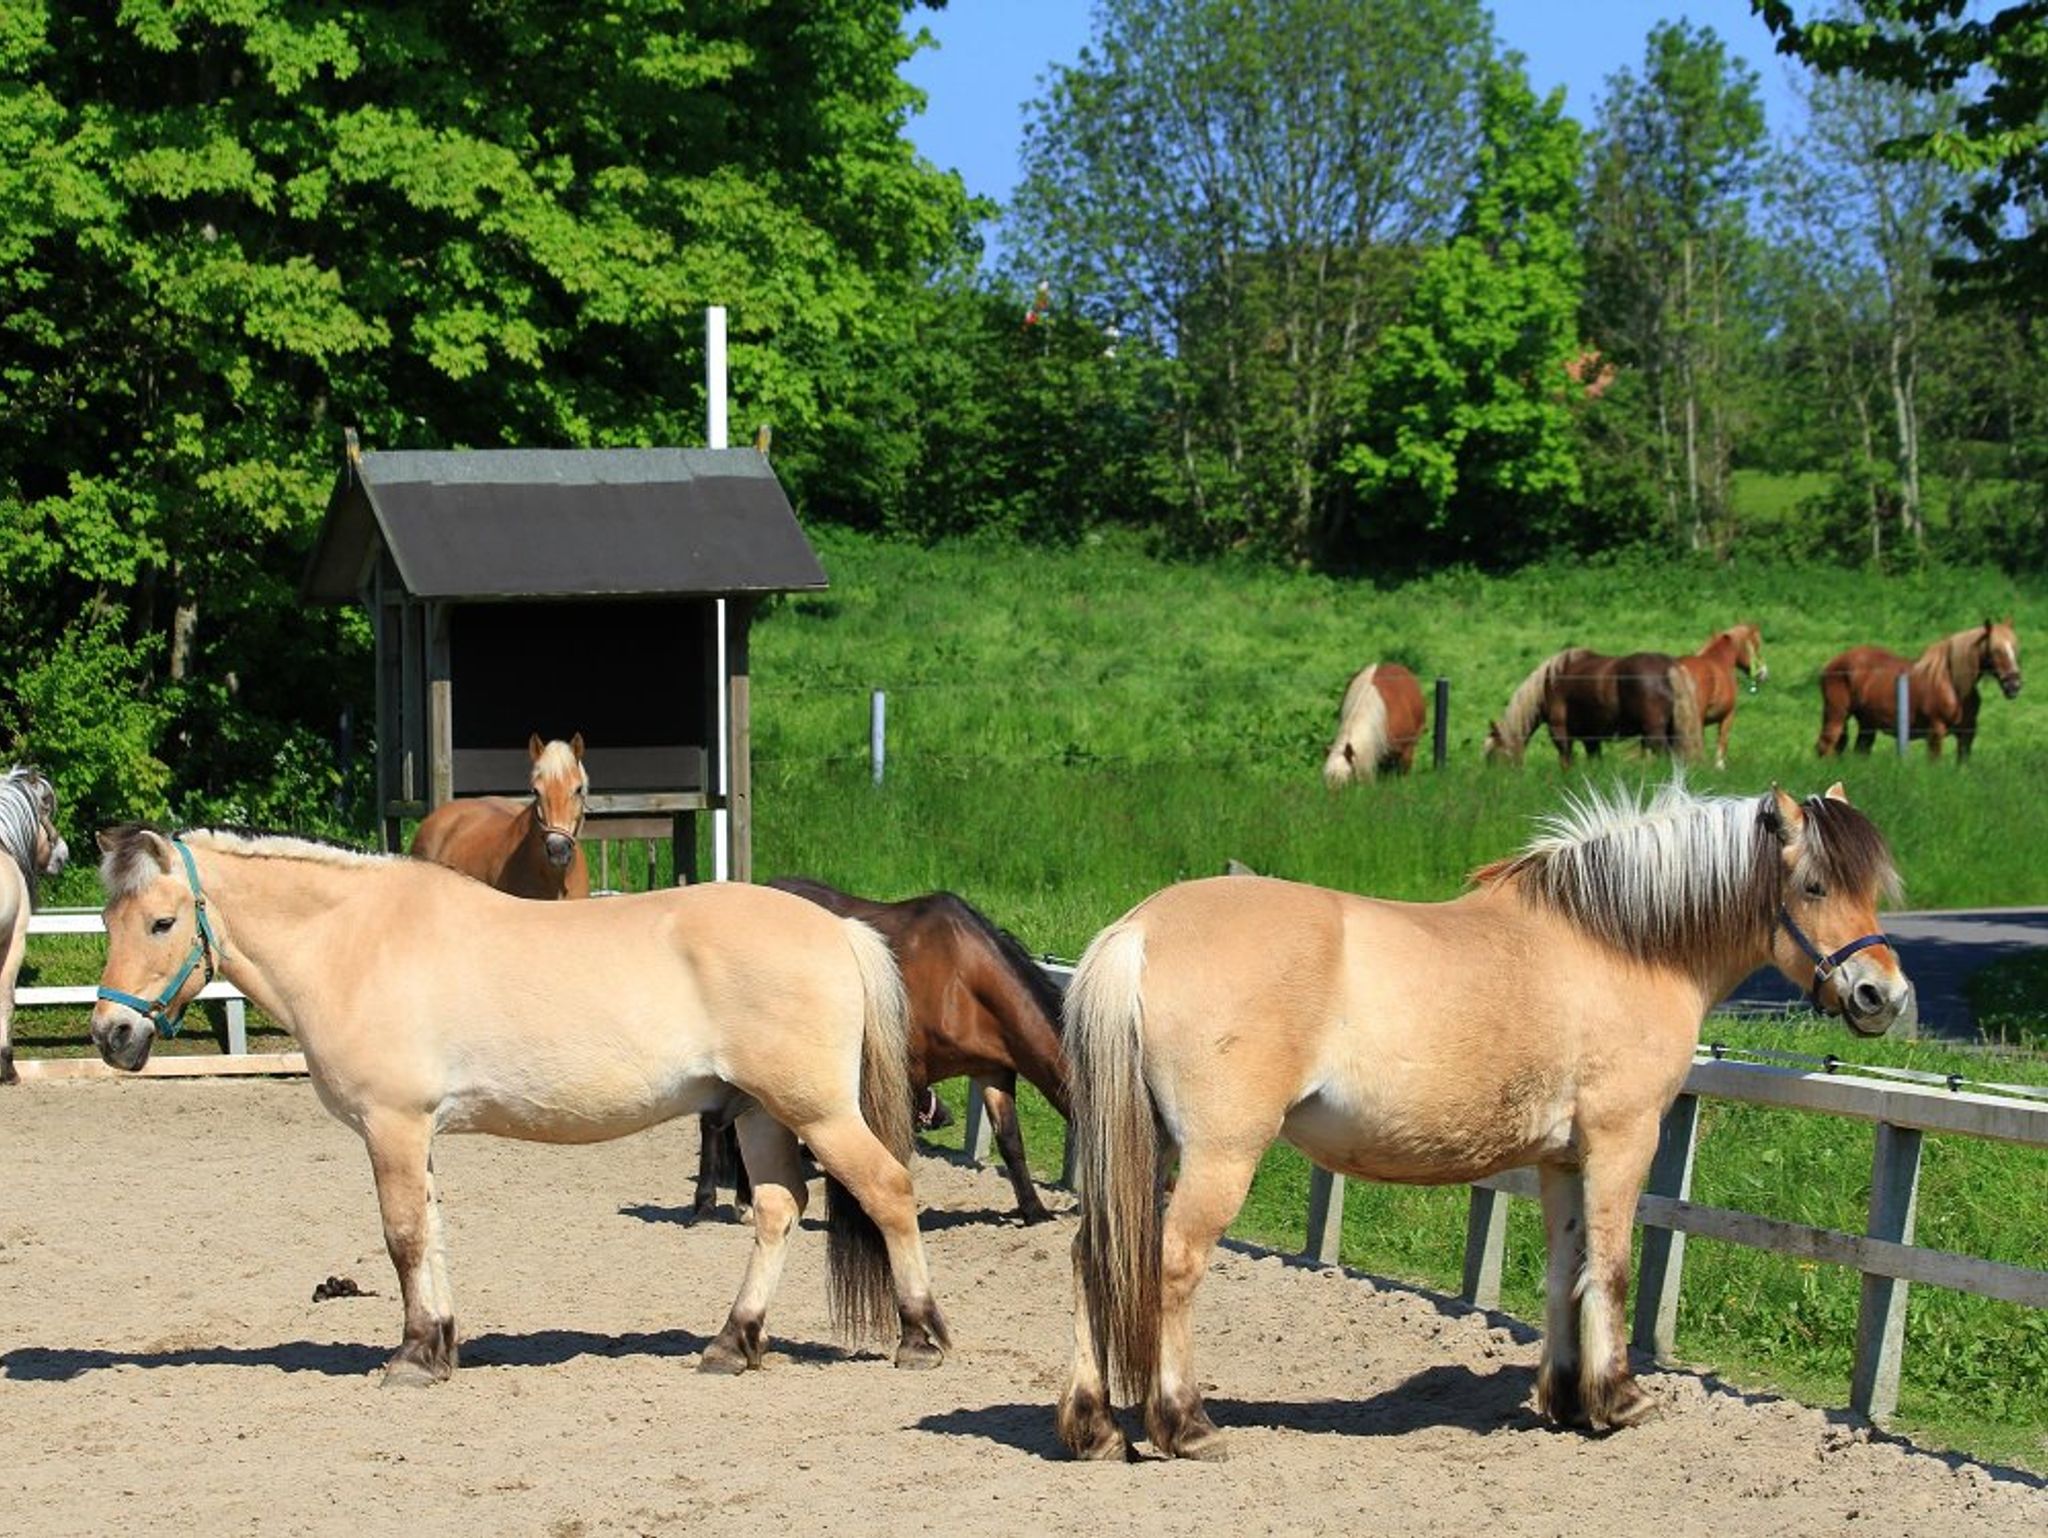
(978, 1005)
(523, 845)
(1941, 688)
(415, 994)
(1547, 1017)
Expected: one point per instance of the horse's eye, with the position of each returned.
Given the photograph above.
(162, 926)
(1815, 890)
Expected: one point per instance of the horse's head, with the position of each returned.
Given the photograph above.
(1340, 766)
(561, 793)
(161, 942)
(1749, 653)
(1499, 748)
(51, 853)
(2001, 645)
(1834, 867)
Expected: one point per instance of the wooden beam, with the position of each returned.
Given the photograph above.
(739, 783)
(1661, 1269)
(1486, 1241)
(1881, 1315)
(192, 1066)
(1929, 1109)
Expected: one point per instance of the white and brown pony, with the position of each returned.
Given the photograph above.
(1941, 688)
(527, 847)
(428, 1003)
(30, 849)
(1377, 725)
(1547, 1017)
(1712, 671)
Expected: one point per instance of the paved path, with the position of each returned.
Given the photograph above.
(1938, 950)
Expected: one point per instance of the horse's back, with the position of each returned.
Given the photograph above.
(1402, 693)
(457, 830)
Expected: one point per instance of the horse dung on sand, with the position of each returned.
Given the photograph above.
(1376, 726)
(1941, 688)
(1547, 1017)
(429, 1003)
(526, 847)
(32, 849)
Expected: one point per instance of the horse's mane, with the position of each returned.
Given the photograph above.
(1957, 658)
(128, 861)
(1525, 705)
(1014, 955)
(20, 817)
(1361, 722)
(1683, 877)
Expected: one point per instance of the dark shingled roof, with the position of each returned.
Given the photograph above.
(560, 523)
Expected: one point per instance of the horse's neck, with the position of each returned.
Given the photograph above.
(1721, 650)
(1028, 1030)
(1965, 654)
(277, 919)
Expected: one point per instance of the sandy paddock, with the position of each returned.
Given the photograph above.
(163, 1369)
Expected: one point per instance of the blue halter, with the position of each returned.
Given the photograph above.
(1825, 965)
(204, 943)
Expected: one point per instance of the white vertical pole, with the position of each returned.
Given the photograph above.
(1903, 723)
(714, 437)
(878, 733)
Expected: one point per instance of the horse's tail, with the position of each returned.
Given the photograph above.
(1361, 733)
(858, 1283)
(1688, 717)
(1117, 1163)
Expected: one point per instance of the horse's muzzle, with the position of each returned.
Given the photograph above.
(122, 1036)
(561, 848)
(60, 856)
(2010, 683)
(1871, 1002)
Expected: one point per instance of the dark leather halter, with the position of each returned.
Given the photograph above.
(1825, 964)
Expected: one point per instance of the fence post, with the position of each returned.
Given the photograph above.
(1904, 726)
(1442, 724)
(878, 732)
(1325, 1216)
(1881, 1318)
(1659, 1277)
(977, 1138)
(238, 1028)
(1486, 1237)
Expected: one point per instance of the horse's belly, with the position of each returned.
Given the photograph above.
(1420, 1139)
(570, 1109)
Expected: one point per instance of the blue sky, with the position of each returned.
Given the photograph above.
(992, 54)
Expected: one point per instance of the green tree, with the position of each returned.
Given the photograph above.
(1240, 187)
(1463, 439)
(228, 227)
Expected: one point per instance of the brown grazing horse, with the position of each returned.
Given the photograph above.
(1712, 671)
(427, 1003)
(526, 847)
(1548, 1017)
(1941, 688)
(1377, 726)
(1588, 698)
(978, 1006)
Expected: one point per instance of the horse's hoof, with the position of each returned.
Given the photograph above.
(1621, 1405)
(918, 1355)
(403, 1372)
(1031, 1215)
(1110, 1446)
(1205, 1446)
(722, 1361)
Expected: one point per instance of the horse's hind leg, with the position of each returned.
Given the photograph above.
(399, 1157)
(768, 1149)
(710, 1148)
(851, 1154)
(999, 1097)
(1207, 1195)
(10, 969)
(1083, 1418)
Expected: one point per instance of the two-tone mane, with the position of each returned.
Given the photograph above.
(1957, 660)
(128, 860)
(1525, 706)
(1027, 972)
(1683, 878)
(22, 789)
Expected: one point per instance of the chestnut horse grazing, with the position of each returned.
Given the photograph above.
(1378, 724)
(527, 848)
(1588, 698)
(1712, 671)
(1941, 688)
(978, 1006)
(429, 1003)
(1547, 1017)
(30, 849)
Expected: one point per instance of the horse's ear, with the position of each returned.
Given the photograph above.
(534, 747)
(576, 746)
(1783, 816)
(1835, 792)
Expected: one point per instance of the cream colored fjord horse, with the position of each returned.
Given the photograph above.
(426, 1002)
(525, 847)
(1547, 1017)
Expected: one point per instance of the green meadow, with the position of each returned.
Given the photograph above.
(1071, 729)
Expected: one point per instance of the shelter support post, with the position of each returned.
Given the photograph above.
(1663, 1262)
(1881, 1318)
(739, 617)
(440, 709)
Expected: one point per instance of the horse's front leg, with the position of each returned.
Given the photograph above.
(999, 1099)
(1564, 1236)
(1721, 747)
(768, 1150)
(400, 1146)
(1937, 731)
(1617, 1163)
(10, 969)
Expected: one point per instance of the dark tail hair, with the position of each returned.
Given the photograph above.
(858, 1280)
(1117, 1163)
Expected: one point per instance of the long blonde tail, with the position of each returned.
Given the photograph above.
(858, 1283)
(1117, 1158)
(1688, 729)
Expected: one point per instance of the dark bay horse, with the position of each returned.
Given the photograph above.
(1377, 725)
(526, 847)
(1941, 688)
(1547, 1017)
(1712, 671)
(978, 1006)
(1588, 698)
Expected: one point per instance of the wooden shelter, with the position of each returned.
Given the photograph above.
(557, 591)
